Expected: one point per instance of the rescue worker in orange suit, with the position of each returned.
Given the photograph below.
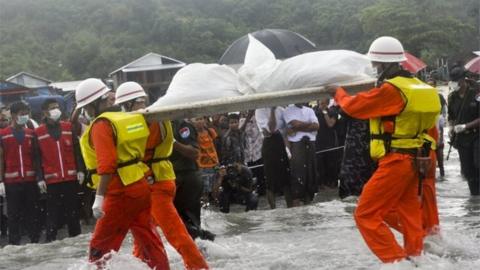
(19, 170)
(430, 219)
(131, 97)
(113, 147)
(400, 110)
(56, 144)
(431, 222)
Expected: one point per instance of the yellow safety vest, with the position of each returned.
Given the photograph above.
(161, 166)
(422, 108)
(131, 134)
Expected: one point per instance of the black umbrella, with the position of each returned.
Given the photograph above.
(282, 43)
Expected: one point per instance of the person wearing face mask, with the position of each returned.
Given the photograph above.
(464, 124)
(4, 117)
(113, 147)
(400, 110)
(19, 175)
(60, 174)
(131, 97)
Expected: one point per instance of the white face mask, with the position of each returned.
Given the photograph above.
(454, 86)
(55, 114)
(374, 72)
(89, 118)
(22, 119)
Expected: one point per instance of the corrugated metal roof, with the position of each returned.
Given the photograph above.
(162, 67)
(67, 86)
(150, 61)
(5, 86)
(10, 88)
(26, 74)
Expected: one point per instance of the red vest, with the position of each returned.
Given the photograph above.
(18, 158)
(58, 158)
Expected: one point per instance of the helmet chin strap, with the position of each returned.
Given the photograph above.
(96, 109)
(386, 72)
(129, 105)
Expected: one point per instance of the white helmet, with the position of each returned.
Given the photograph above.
(386, 50)
(128, 91)
(90, 90)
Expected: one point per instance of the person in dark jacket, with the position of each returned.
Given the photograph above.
(233, 142)
(464, 125)
(327, 160)
(237, 186)
(188, 181)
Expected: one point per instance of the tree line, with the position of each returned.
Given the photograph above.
(69, 39)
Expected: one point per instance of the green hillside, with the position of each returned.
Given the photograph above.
(71, 39)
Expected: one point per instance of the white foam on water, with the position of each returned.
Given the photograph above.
(319, 236)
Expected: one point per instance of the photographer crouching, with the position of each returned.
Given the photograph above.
(237, 186)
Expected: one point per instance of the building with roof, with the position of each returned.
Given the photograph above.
(67, 90)
(34, 90)
(37, 84)
(153, 71)
(65, 87)
(11, 92)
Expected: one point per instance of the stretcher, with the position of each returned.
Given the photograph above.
(248, 102)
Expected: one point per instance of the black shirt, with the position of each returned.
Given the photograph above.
(54, 130)
(238, 180)
(184, 133)
(233, 147)
(462, 110)
(326, 136)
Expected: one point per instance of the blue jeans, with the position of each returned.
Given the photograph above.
(208, 179)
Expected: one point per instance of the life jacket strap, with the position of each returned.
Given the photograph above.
(120, 165)
(156, 160)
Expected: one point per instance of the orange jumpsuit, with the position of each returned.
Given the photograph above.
(165, 214)
(394, 185)
(431, 221)
(126, 207)
(430, 218)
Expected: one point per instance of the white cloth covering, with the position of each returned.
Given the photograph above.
(263, 73)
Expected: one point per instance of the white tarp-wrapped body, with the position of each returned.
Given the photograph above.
(199, 89)
(318, 69)
(258, 66)
(200, 82)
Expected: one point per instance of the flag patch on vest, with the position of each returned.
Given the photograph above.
(184, 132)
(134, 128)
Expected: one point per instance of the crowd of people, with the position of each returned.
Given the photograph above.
(147, 173)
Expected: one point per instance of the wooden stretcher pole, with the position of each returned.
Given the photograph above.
(247, 102)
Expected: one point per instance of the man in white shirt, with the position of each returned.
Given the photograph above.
(302, 127)
(276, 167)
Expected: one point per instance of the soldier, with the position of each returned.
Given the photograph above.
(188, 181)
(464, 123)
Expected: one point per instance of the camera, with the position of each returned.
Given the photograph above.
(218, 168)
(231, 171)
